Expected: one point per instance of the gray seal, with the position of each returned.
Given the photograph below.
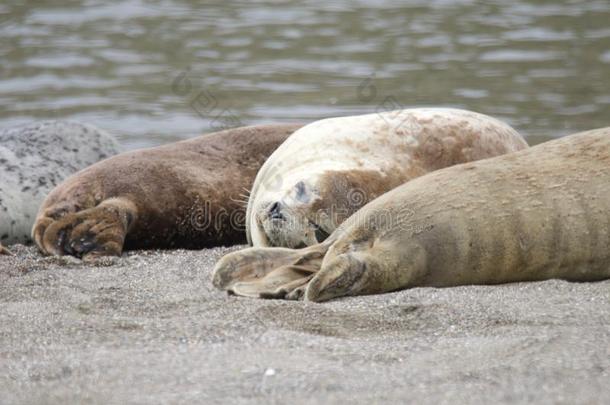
(34, 158)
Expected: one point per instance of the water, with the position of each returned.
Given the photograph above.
(160, 71)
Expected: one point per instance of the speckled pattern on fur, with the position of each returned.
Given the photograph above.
(36, 157)
(330, 168)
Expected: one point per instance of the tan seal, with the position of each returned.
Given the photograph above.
(331, 168)
(536, 214)
(186, 194)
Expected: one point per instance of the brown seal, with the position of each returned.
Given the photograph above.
(186, 194)
(536, 214)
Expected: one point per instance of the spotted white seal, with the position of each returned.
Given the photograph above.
(329, 169)
(36, 157)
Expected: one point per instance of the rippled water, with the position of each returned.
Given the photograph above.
(158, 71)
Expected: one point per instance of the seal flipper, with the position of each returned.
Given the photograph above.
(268, 272)
(93, 232)
(277, 284)
(383, 268)
(344, 275)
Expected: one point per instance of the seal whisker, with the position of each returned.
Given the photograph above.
(241, 202)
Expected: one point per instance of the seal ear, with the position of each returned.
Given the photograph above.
(268, 272)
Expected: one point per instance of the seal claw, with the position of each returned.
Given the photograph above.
(97, 231)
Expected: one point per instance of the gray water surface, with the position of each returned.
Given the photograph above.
(163, 70)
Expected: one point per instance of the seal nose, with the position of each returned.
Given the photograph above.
(274, 211)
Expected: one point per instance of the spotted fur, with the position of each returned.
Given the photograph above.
(329, 169)
(34, 158)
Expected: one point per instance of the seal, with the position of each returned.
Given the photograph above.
(331, 168)
(36, 157)
(186, 194)
(532, 215)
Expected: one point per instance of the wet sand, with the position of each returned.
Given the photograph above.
(148, 328)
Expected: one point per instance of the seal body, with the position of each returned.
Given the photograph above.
(34, 158)
(536, 214)
(187, 194)
(329, 169)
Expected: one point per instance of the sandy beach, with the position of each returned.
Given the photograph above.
(149, 328)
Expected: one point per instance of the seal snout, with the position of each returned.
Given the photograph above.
(275, 211)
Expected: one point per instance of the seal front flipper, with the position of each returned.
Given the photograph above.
(279, 283)
(93, 232)
(268, 272)
(346, 274)
(364, 269)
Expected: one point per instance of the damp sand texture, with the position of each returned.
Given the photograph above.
(148, 328)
